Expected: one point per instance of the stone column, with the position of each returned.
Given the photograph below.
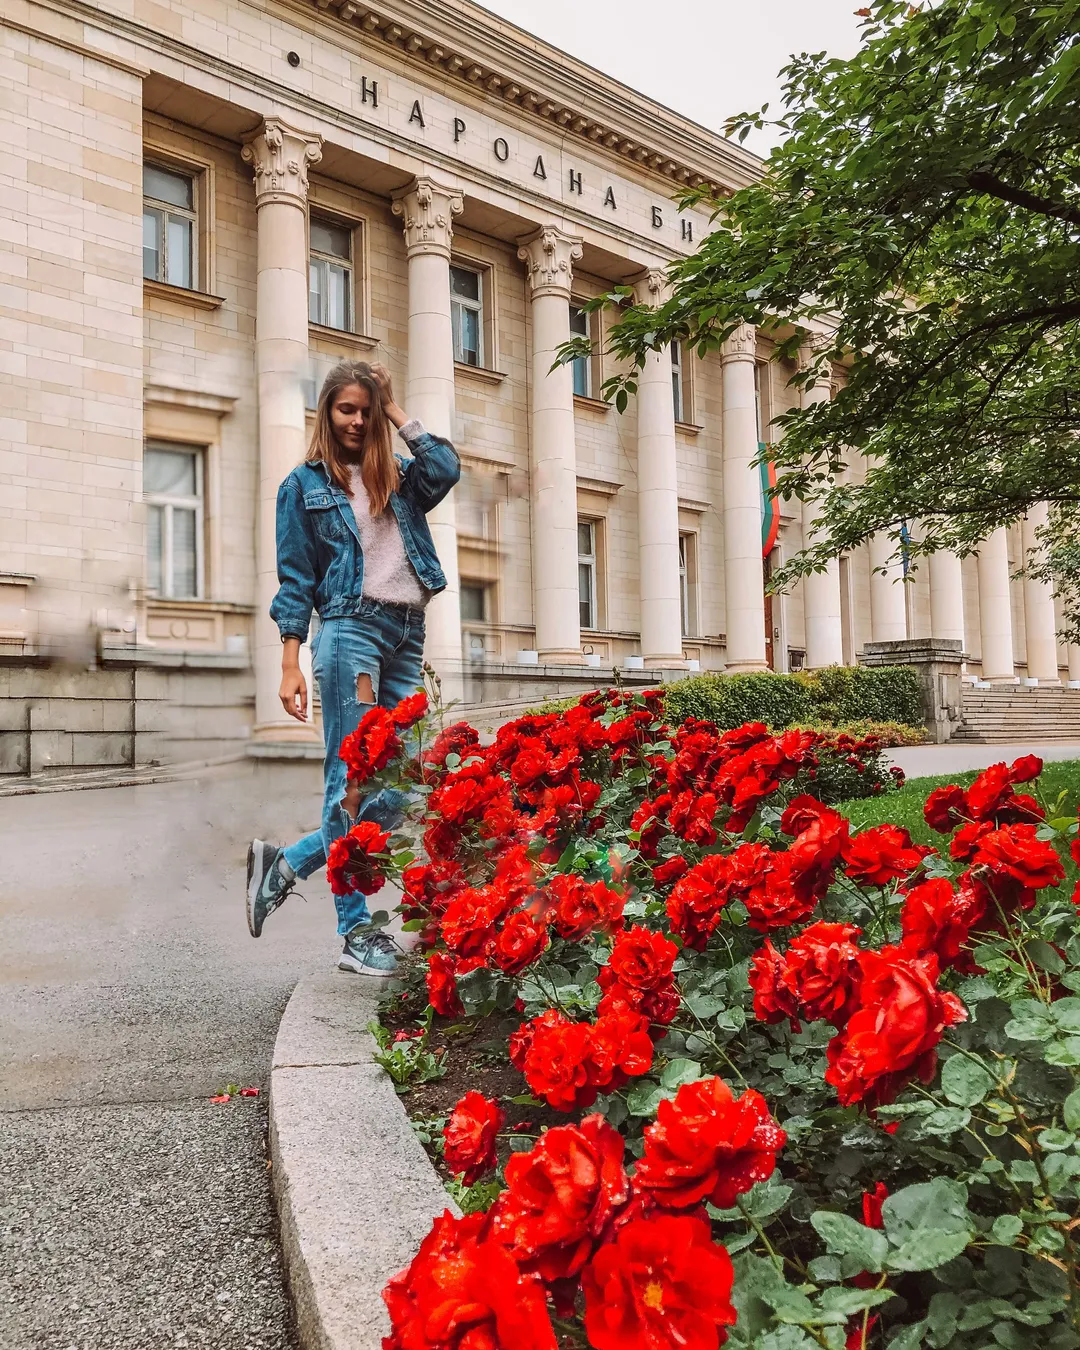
(1040, 626)
(946, 597)
(279, 156)
(821, 591)
(658, 498)
(744, 594)
(549, 256)
(427, 210)
(995, 608)
(888, 601)
(1073, 650)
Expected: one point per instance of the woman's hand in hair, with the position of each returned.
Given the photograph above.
(394, 413)
(293, 690)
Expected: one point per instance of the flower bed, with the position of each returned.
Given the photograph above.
(817, 1087)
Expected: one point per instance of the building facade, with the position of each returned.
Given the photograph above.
(209, 203)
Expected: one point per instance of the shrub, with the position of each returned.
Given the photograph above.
(821, 1087)
(845, 694)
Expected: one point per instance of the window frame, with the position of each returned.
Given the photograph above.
(477, 307)
(678, 382)
(592, 562)
(689, 592)
(583, 363)
(170, 502)
(193, 216)
(327, 260)
(484, 587)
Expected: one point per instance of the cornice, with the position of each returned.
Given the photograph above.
(460, 40)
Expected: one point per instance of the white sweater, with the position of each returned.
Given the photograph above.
(389, 576)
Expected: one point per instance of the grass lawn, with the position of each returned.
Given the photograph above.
(906, 806)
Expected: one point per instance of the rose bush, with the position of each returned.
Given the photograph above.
(820, 1084)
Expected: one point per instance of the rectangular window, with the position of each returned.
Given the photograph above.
(582, 365)
(677, 382)
(330, 276)
(173, 490)
(474, 602)
(587, 609)
(467, 315)
(170, 224)
(684, 586)
(760, 384)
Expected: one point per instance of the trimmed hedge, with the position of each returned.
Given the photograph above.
(838, 696)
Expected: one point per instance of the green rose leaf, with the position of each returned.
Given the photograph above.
(911, 1338)
(785, 1338)
(965, 1082)
(928, 1251)
(1071, 1110)
(643, 1098)
(837, 1305)
(678, 1072)
(927, 1224)
(1007, 1228)
(845, 1236)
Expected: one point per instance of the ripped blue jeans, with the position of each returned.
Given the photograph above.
(385, 642)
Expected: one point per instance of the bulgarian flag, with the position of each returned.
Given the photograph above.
(770, 509)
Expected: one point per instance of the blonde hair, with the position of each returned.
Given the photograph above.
(378, 467)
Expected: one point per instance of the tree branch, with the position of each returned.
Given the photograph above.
(984, 181)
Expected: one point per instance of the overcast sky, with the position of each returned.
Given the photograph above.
(705, 58)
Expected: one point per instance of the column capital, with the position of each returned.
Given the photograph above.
(280, 155)
(653, 287)
(741, 345)
(427, 210)
(549, 256)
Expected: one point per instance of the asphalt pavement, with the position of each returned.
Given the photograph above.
(133, 1211)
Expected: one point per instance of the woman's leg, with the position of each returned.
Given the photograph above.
(402, 675)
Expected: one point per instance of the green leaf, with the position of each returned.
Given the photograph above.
(785, 1338)
(1071, 1110)
(928, 1251)
(911, 1338)
(678, 1072)
(644, 1097)
(1007, 1228)
(964, 1082)
(1056, 1140)
(1045, 957)
(927, 1224)
(847, 1237)
(845, 1303)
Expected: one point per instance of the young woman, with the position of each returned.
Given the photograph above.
(354, 545)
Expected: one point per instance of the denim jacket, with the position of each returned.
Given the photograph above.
(320, 563)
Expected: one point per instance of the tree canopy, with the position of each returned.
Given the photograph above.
(923, 214)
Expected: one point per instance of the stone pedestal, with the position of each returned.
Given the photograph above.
(938, 662)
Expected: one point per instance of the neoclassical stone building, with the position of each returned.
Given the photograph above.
(209, 202)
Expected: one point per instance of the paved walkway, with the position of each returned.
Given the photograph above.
(922, 761)
(133, 1213)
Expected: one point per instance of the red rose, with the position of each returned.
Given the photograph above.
(556, 1063)
(519, 943)
(803, 811)
(468, 923)
(871, 1205)
(1014, 851)
(1024, 769)
(708, 1144)
(691, 817)
(882, 854)
(429, 887)
(892, 1036)
(966, 839)
(814, 853)
(560, 1196)
(458, 739)
(945, 808)
(441, 982)
(410, 710)
(989, 792)
(672, 870)
(464, 1291)
(1074, 849)
(619, 1048)
(821, 972)
(642, 959)
(772, 1001)
(662, 1282)
(696, 900)
(937, 918)
(582, 907)
(767, 884)
(470, 1136)
(659, 1006)
(371, 746)
(350, 864)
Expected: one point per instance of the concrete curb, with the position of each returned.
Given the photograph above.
(355, 1191)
